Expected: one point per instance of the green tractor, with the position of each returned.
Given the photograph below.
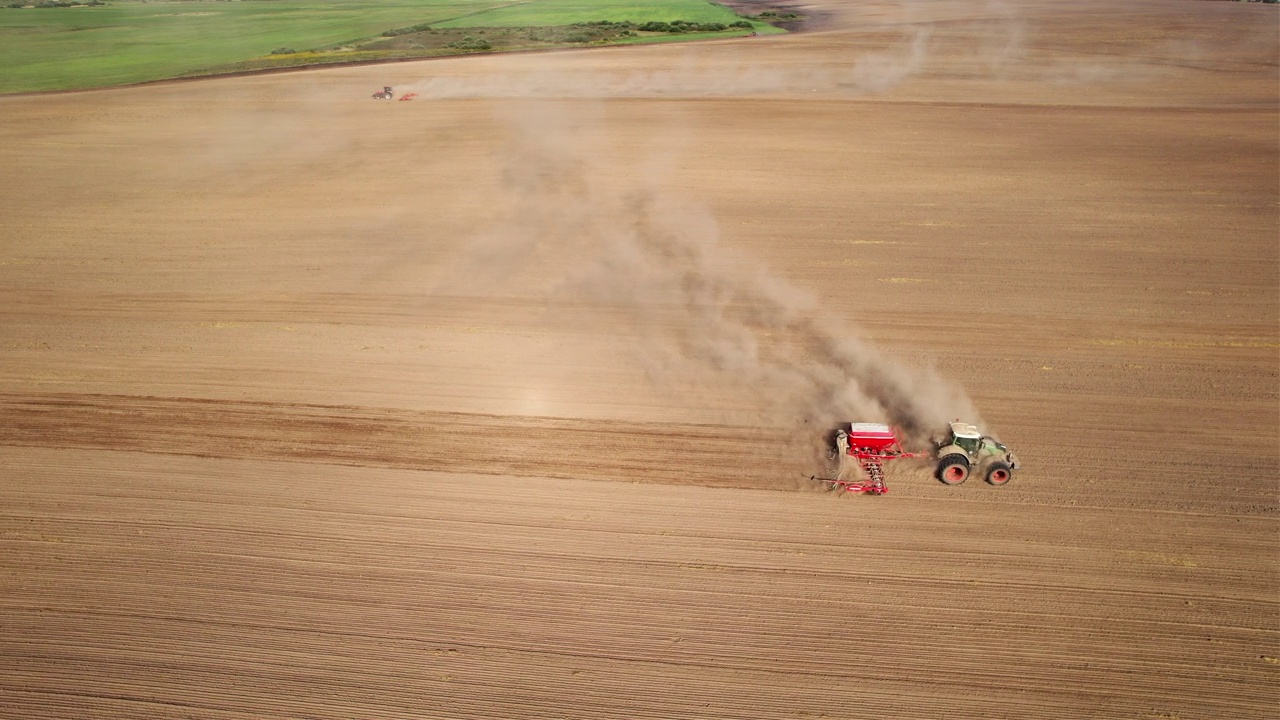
(965, 450)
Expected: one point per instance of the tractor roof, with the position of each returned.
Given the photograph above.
(965, 430)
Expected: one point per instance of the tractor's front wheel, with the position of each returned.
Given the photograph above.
(999, 473)
(953, 469)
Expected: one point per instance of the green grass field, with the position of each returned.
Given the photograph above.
(565, 12)
(130, 41)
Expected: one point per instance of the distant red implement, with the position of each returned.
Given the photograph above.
(871, 444)
(408, 96)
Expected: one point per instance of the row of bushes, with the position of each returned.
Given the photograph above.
(606, 24)
(57, 4)
(420, 27)
(659, 26)
(579, 33)
(470, 43)
(685, 26)
(775, 15)
(624, 27)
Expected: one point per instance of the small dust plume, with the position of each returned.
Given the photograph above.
(898, 55)
(881, 47)
(582, 235)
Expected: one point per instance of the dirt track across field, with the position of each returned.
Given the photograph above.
(494, 403)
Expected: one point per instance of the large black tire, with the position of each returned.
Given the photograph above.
(999, 473)
(953, 469)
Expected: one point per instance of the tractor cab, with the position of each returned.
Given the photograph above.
(965, 448)
(974, 443)
(966, 436)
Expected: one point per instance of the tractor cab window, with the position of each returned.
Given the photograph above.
(969, 444)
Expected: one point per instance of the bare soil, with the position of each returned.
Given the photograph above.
(275, 443)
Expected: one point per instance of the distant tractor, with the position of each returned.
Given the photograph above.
(965, 450)
(385, 94)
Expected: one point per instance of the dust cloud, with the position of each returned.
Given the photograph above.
(888, 65)
(894, 42)
(622, 248)
(647, 259)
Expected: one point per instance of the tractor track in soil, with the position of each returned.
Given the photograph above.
(714, 456)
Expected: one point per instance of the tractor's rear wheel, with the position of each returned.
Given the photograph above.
(999, 473)
(953, 469)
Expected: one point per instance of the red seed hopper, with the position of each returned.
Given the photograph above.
(870, 444)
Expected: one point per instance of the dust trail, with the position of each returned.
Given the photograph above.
(584, 235)
(699, 76)
(891, 43)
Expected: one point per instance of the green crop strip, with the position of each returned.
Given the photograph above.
(128, 41)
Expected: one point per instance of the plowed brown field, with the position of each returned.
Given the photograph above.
(318, 407)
